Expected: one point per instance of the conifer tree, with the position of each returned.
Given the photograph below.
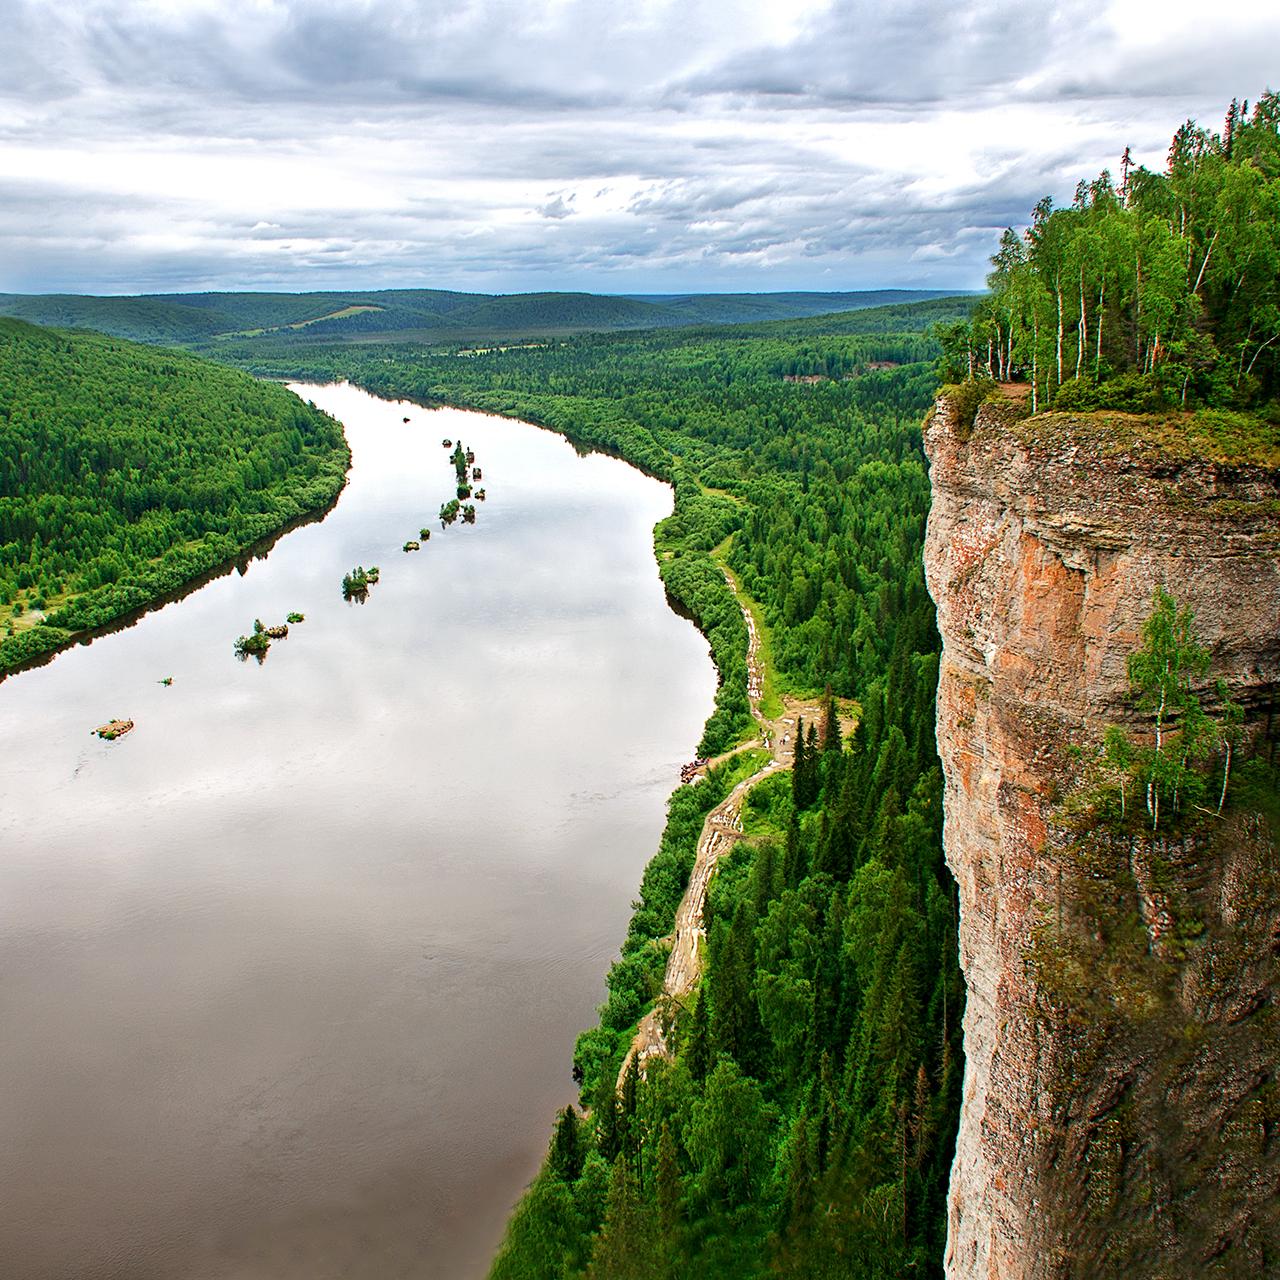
(831, 741)
(625, 1247)
(628, 1122)
(799, 769)
(604, 1111)
(567, 1148)
(668, 1189)
(698, 1056)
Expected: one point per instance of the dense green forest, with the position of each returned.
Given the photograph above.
(126, 471)
(805, 1126)
(1164, 291)
(213, 320)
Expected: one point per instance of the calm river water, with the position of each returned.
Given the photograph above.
(290, 975)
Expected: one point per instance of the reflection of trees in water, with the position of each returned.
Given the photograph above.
(239, 564)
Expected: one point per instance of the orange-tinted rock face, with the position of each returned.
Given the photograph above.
(1121, 1110)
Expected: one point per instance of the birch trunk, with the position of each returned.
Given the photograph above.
(1097, 355)
(1058, 288)
(1082, 335)
(1208, 253)
(1035, 361)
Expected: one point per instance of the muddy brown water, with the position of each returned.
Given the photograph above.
(290, 975)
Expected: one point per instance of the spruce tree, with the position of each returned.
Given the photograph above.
(567, 1149)
(799, 768)
(668, 1185)
(794, 864)
(628, 1123)
(604, 1111)
(698, 1058)
(831, 726)
(625, 1248)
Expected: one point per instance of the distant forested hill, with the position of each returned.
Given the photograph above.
(743, 308)
(126, 471)
(432, 315)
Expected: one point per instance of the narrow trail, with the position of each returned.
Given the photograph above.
(720, 830)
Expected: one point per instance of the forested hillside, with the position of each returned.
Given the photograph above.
(127, 471)
(244, 320)
(1164, 291)
(806, 1123)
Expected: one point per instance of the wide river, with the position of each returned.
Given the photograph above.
(290, 975)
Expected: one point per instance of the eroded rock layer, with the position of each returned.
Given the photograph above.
(1121, 1112)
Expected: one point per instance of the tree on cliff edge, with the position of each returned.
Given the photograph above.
(1161, 677)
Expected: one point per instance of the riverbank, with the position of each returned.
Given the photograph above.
(721, 829)
(142, 472)
(201, 568)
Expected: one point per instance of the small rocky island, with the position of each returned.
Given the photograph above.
(466, 474)
(113, 729)
(356, 583)
(258, 641)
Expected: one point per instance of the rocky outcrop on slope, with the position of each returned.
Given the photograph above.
(1121, 1111)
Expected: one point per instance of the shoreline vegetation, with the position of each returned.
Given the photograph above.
(237, 563)
(109, 511)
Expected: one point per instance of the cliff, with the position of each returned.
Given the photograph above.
(1121, 1112)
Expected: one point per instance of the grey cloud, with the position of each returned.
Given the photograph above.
(905, 54)
(502, 145)
(560, 207)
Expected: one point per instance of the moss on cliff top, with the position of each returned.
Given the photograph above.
(1214, 435)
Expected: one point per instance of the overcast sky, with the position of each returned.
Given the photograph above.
(612, 145)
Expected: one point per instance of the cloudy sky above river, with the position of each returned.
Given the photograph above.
(611, 145)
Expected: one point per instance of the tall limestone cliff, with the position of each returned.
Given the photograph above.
(1121, 1112)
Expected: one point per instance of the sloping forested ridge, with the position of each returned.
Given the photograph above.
(806, 1124)
(1161, 292)
(244, 320)
(126, 471)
